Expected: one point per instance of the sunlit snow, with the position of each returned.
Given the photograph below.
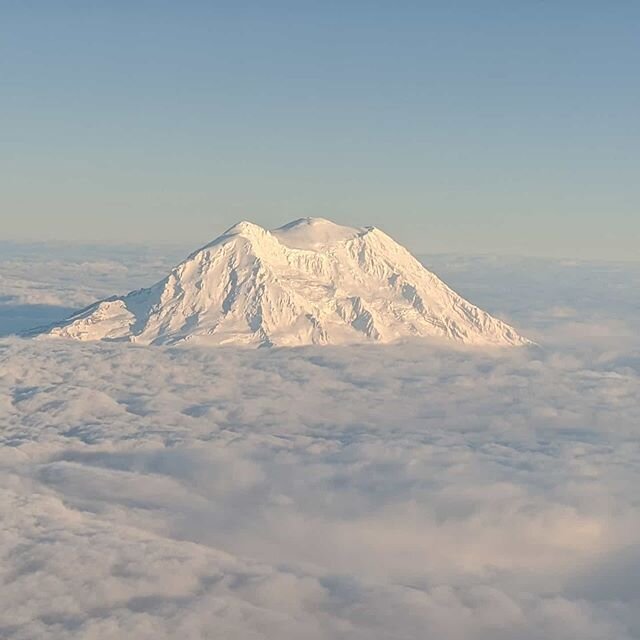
(309, 282)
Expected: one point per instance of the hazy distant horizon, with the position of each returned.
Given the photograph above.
(184, 247)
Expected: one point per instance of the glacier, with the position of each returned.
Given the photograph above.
(311, 281)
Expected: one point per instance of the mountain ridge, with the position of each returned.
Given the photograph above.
(310, 281)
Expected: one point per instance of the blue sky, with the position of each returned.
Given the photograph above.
(482, 127)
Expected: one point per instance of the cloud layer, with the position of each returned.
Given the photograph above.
(366, 492)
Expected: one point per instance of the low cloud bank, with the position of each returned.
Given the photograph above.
(395, 492)
(361, 492)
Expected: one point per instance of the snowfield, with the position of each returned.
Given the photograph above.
(309, 282)
(394, 492)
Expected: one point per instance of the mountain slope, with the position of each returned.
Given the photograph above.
(308, 282)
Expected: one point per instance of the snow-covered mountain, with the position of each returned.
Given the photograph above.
(309, 282)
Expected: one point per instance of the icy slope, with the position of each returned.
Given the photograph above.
(309, 282)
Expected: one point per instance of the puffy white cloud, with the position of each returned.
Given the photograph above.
(367, 492)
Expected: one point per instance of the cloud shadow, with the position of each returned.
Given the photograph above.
(16, 318)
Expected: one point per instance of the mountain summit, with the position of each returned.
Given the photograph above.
(309, 282)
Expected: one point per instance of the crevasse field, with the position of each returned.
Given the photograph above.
(387, 492)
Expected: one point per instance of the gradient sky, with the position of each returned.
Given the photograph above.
(475, 126)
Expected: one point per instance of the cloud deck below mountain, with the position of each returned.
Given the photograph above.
(358, 492)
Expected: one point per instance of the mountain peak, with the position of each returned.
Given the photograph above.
(313, 233)
(306, 221)
(311, 281)
(244, 226)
